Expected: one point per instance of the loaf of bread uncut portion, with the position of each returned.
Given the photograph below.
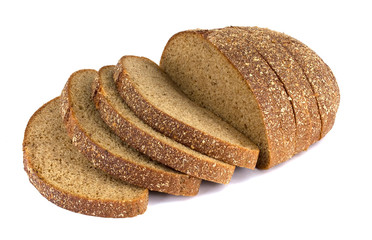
(100, 145)
(143, 138)
(295, 83)
(220, 70)
(66, 178)
(318, 74)
(155, 99)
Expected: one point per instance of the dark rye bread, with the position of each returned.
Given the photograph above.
(295, 83)
(66, 178)
(101, 146)
(155, 99)
(318, 74)
(143, 138)
(220, 70)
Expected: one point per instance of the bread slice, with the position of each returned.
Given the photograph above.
(318, 74)
(220, 70)
(107, 152)
(294, 82)
(66, 178)
(143, 138)
(155, 99)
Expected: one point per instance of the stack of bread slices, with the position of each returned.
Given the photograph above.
(224, 98)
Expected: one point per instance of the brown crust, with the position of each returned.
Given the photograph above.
(178, 130)
(320, 77)
(295, 83)
(159, 150)
(76, 203)
(275, 107)
(125, 169)
(304, 87)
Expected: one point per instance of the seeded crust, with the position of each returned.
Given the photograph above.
(144, 139)
(294, 82)
(318, 74)
(60, 194)
(242, 152)
(131, 168)
(271, 97)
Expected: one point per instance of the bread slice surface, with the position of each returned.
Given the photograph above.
(154, 98)
(66, 178)
(220, 70)
(106, 150)
(143, 138)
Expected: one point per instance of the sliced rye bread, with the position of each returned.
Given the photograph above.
(220, 70)
(143, 138)
(302, 83)
(66, 178)
(100, 145)
(318, 74)
(155, 99)
(294, 82)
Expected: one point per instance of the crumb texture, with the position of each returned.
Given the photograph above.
(119, 117)
(106, 150)
(158, 147)
(154, 97)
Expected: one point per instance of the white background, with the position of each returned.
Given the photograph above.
(324, 193)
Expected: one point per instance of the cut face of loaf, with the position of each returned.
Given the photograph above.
(143, 138)
(66, 178)
(221, 71)
(154, 98)
(253, 78)
(106, 151)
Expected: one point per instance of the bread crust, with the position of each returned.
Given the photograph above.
(304, 87)
(159, 150)
(176, 129)
(127, 170)
(74, 202)
(320, 77)
(276, 109)
(294, 82)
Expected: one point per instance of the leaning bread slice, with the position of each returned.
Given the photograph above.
(220, 70)
(143, 138)
(154, 98)
(66, 178)
(107, 152)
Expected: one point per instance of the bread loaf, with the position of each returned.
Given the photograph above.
(117, 133)
(222, 70)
